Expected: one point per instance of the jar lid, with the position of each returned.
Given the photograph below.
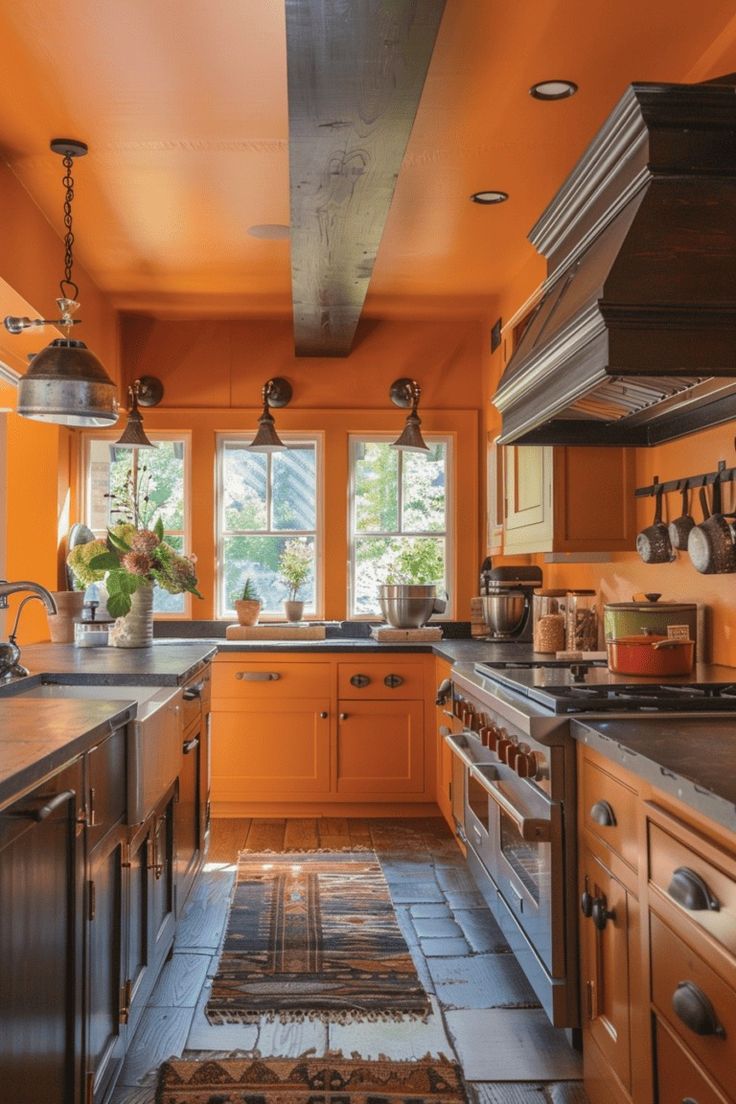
(550, 593)
(98, 623)
(583, 592)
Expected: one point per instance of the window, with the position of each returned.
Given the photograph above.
(399, 518)
(266, 500)
(163, 474)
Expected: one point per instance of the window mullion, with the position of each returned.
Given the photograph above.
(400, 496)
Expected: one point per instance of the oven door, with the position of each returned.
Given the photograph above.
(528, 859)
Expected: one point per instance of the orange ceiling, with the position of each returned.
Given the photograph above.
(183, 104)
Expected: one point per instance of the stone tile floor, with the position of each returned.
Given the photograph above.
(484, 1013)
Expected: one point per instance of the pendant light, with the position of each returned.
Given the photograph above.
(276, 392)
(404, 393)
(146, 391)
(65, 382)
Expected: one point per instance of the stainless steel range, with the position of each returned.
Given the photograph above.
(513, 794)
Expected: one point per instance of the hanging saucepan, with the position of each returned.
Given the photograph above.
(653, 543)
(711, 545)
(679, 529)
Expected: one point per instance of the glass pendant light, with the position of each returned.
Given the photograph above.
(276, 392)
(406, 392)
(65, 382)
(146, 391)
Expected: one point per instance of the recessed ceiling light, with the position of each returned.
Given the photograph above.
(272, 230)
(553, 90)
(489, 197)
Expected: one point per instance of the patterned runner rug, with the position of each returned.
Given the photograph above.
(306, 1080)
(313, 936)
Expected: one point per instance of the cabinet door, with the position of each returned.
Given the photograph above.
(528, 521)
(41, 881)
(105, 1029)
(271, 749)
(605, 967)
(161, 867)
(380, 748)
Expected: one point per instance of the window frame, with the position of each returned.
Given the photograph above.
(449, 532)
(110, 436)
(296, 437)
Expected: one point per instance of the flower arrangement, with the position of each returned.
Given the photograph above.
(135, 553)
(295, 566)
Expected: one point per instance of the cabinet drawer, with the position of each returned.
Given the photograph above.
(608, 810)
(269, 678)
(706, 895)
(678, 1077)
(674, 963)
(392, 679)
(196, 697)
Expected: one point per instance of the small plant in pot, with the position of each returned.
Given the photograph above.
(295, 567)
(248, 606)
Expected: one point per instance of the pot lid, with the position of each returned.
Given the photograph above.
(653, 607)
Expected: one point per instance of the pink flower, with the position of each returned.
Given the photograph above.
(144, 541)
(137, 563)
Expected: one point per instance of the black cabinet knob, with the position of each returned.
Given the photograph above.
(360, 681)
(586, 904)
(444, 691)
(324, 714)
(695, 1010)
(392, 681)
(601, 915)
(691, 891)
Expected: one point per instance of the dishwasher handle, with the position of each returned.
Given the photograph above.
(534, 829)
(457, 749)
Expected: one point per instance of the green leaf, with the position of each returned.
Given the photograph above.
(117, 542)
(159, 528)
(106, 561)
(127, 583)
(118, 604)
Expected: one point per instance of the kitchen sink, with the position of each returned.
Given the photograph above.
(154, 743)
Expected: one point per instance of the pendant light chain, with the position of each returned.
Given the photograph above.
(68, 182)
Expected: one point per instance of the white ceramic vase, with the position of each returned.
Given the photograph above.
(135, 629)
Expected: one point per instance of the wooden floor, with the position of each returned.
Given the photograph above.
(484, 1013)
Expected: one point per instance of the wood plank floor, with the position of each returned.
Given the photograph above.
(509, 1054)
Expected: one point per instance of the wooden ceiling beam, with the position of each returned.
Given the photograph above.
(356, 69)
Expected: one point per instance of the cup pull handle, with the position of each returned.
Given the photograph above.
(602, 813)
(695, 1010)
(691, 891)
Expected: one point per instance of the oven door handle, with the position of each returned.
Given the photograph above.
(460, 751)
(530, 828)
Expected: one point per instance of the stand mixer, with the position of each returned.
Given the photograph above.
(506, 596)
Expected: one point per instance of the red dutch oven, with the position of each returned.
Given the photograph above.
(655, 656)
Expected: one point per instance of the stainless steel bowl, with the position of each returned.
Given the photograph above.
(504, 613)
(409, 606)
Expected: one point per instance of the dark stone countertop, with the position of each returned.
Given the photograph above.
(455, 650)
(691, 758)
(39, 737)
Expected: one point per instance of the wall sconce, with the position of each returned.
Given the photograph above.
(276, 392)
(146, 391)
(406, 393)
(65, 382)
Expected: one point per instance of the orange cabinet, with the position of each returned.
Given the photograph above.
(380, 747)
(276, 749)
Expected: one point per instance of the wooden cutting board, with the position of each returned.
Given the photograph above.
(275, 632)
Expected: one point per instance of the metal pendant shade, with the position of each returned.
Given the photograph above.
(148, 391)
(276, 392)
(66, 384)
(406, 392)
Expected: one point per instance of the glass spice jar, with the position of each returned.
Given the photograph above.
(548, 621)
(582, 621)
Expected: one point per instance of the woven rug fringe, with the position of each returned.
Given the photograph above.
(320, 1015)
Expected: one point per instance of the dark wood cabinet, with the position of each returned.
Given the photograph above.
(41, 892)
(193, 804)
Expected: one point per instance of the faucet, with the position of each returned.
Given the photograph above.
(10, 665)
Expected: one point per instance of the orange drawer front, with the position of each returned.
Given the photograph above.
(608, 810)
(706, 894)
(681, 976)
(271, 678)
(678, 1077)
(392, 679)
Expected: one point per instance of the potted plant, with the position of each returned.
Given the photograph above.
(248, 606)
(295, 566)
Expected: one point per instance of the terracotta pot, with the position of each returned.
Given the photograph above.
(69, 605)
(248, 610)
(655, 656)
(294, 611)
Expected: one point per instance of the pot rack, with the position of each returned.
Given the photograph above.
(722, 475)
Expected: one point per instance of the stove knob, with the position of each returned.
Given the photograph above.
(476, 722)
(492, 734)
(531, 765)
(513, 752)
(503, 742)
(522, 764)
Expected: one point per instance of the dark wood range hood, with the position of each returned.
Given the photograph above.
(633, 341)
